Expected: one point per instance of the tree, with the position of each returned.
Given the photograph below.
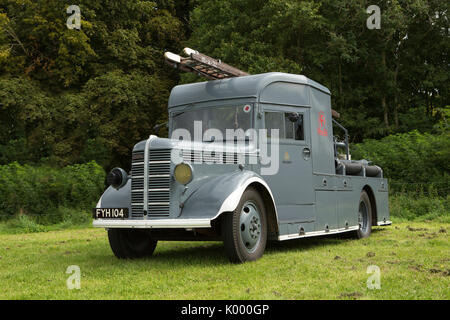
(376, 76)
(88, 94)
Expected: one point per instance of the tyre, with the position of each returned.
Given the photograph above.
(131, 243)
(244, 231)
(364, 216)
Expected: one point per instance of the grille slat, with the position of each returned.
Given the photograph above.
(159, 182)
(159, 155)
(159, 210)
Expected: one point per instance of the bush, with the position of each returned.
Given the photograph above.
(418, 170)
(414, 161)
(419, 208)
(25, 224)
(45, 193)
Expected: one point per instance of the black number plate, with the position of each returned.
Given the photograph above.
(110, 213)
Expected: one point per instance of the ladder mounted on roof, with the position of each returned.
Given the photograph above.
(208, 67)
(202, 65)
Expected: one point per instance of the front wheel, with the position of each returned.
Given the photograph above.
(364, 217)
(131, 243)
(244, 230)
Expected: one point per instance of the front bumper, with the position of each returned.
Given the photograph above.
(157, 223)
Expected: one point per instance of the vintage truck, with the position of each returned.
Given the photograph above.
(223, 195)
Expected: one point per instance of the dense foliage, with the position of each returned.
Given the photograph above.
(45, 193)
(383, 81)
(71, 96)
(413, 161)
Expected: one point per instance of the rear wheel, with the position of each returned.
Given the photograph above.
(131, 243)
(364, 217)
(244, 230)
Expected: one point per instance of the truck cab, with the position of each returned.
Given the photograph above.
(248, 159)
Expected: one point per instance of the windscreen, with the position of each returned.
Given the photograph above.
(220, 118)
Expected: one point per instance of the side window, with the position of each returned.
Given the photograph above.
(290, 125)
(274, 120)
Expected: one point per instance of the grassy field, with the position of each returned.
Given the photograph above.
(413, 257)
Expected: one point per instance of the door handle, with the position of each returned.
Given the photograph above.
(306, 153)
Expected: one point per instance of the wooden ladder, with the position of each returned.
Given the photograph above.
(202, 65)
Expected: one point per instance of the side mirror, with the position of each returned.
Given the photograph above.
(293, 117)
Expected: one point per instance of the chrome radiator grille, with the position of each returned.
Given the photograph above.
(158, 183)
(137, 184)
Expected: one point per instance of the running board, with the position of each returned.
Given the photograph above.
(316, 233)
(384, 223)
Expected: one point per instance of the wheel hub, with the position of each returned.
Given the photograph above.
(250, 222)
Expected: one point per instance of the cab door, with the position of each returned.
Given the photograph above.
(292, 186)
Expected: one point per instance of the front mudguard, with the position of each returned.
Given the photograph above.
(220, 194)
(113, 198)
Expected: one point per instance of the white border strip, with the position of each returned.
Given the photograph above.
(232, 201)
(157, 223)
(383, 223)
(316, 233)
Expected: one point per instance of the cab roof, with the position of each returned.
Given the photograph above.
(239, 87)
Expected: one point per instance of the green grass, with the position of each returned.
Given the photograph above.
(69, 218)
(414, 258)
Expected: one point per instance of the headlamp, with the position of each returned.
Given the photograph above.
(183, 173)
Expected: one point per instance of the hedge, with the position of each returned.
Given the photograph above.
(413, 162)
(45, 192)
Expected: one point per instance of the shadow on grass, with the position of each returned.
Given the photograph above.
(206, 253)
(305, 243)
(380, 229)
(213, 253)
(185, 254)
